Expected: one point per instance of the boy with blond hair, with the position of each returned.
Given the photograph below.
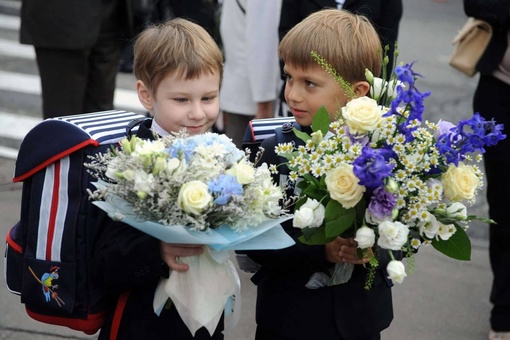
(286, 308)
(178, 67)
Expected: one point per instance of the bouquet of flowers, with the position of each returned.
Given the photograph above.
(195, 190)
(381, 174)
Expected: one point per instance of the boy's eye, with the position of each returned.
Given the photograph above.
(208, 99)
(181, 100)
(309, 83)
(288, 77)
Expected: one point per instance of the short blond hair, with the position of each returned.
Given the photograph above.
(348, 42)
(178, 45)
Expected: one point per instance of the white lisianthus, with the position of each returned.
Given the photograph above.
(457, 210)
(143, 183)
(429, 225)
(460, 182)
(362, 115)
(112, 171)
(446, 231)
(365, 237)
(310, 214)
(377, 90)
(242, 171)
(194, 197)
(317, 137)
(171, 165)
(159, 164)
(343, 187)
(392, 235)
(396, 271)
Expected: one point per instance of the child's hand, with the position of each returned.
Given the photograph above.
(343, 250)
(170, 253)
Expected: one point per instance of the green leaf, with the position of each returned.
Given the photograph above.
(457, 247)
(337, 218)
(314, 236)
(321, 120)
(339, 226)
(302, 135)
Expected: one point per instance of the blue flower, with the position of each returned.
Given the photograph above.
(371, 167)
(469, 136)
(224, 187)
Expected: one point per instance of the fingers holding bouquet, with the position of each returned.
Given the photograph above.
(171, 253)
(343, 250)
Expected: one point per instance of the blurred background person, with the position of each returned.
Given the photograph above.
(492, 100)
(251, 79)
(77, 46)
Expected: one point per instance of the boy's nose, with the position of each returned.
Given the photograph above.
(291, 93)
(196, 112)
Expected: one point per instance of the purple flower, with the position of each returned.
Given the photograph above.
(443, 128)
(371, 167)
(382, 203)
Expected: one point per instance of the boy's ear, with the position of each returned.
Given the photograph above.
(361, 88)
(144, 95)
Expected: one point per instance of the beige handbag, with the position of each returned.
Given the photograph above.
(470, 43)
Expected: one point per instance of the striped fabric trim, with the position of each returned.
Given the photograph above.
(264, 128)
(52, 212)
(105, 127)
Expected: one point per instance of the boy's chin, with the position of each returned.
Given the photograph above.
(303, 121)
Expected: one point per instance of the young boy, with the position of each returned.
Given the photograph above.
(178, 67)
(286, 309)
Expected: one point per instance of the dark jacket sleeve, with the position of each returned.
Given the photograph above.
(297, 257)
(125, 258)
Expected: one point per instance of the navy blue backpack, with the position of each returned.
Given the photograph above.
(48, 250)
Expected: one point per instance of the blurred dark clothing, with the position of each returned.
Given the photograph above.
(77, 45)
(492, 100)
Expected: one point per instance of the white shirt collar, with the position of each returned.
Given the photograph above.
(156, 128)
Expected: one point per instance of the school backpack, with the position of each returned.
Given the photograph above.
(259, 130)
(48, 250)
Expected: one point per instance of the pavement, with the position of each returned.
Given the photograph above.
(442, 298)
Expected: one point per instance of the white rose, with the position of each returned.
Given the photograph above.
(362, 115)
(457, 210)
(365, 237)
(310, 214)
(392, 235)
(343, 185)
(460, 182)
(396, 271)
(303, 218)
(194, 197)
(242, 171)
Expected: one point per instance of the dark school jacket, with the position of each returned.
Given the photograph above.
(287, 307)
(129, 261)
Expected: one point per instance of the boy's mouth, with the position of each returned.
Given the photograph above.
(297, 112)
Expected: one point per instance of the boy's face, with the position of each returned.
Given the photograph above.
(308, 89)
(178, 103)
